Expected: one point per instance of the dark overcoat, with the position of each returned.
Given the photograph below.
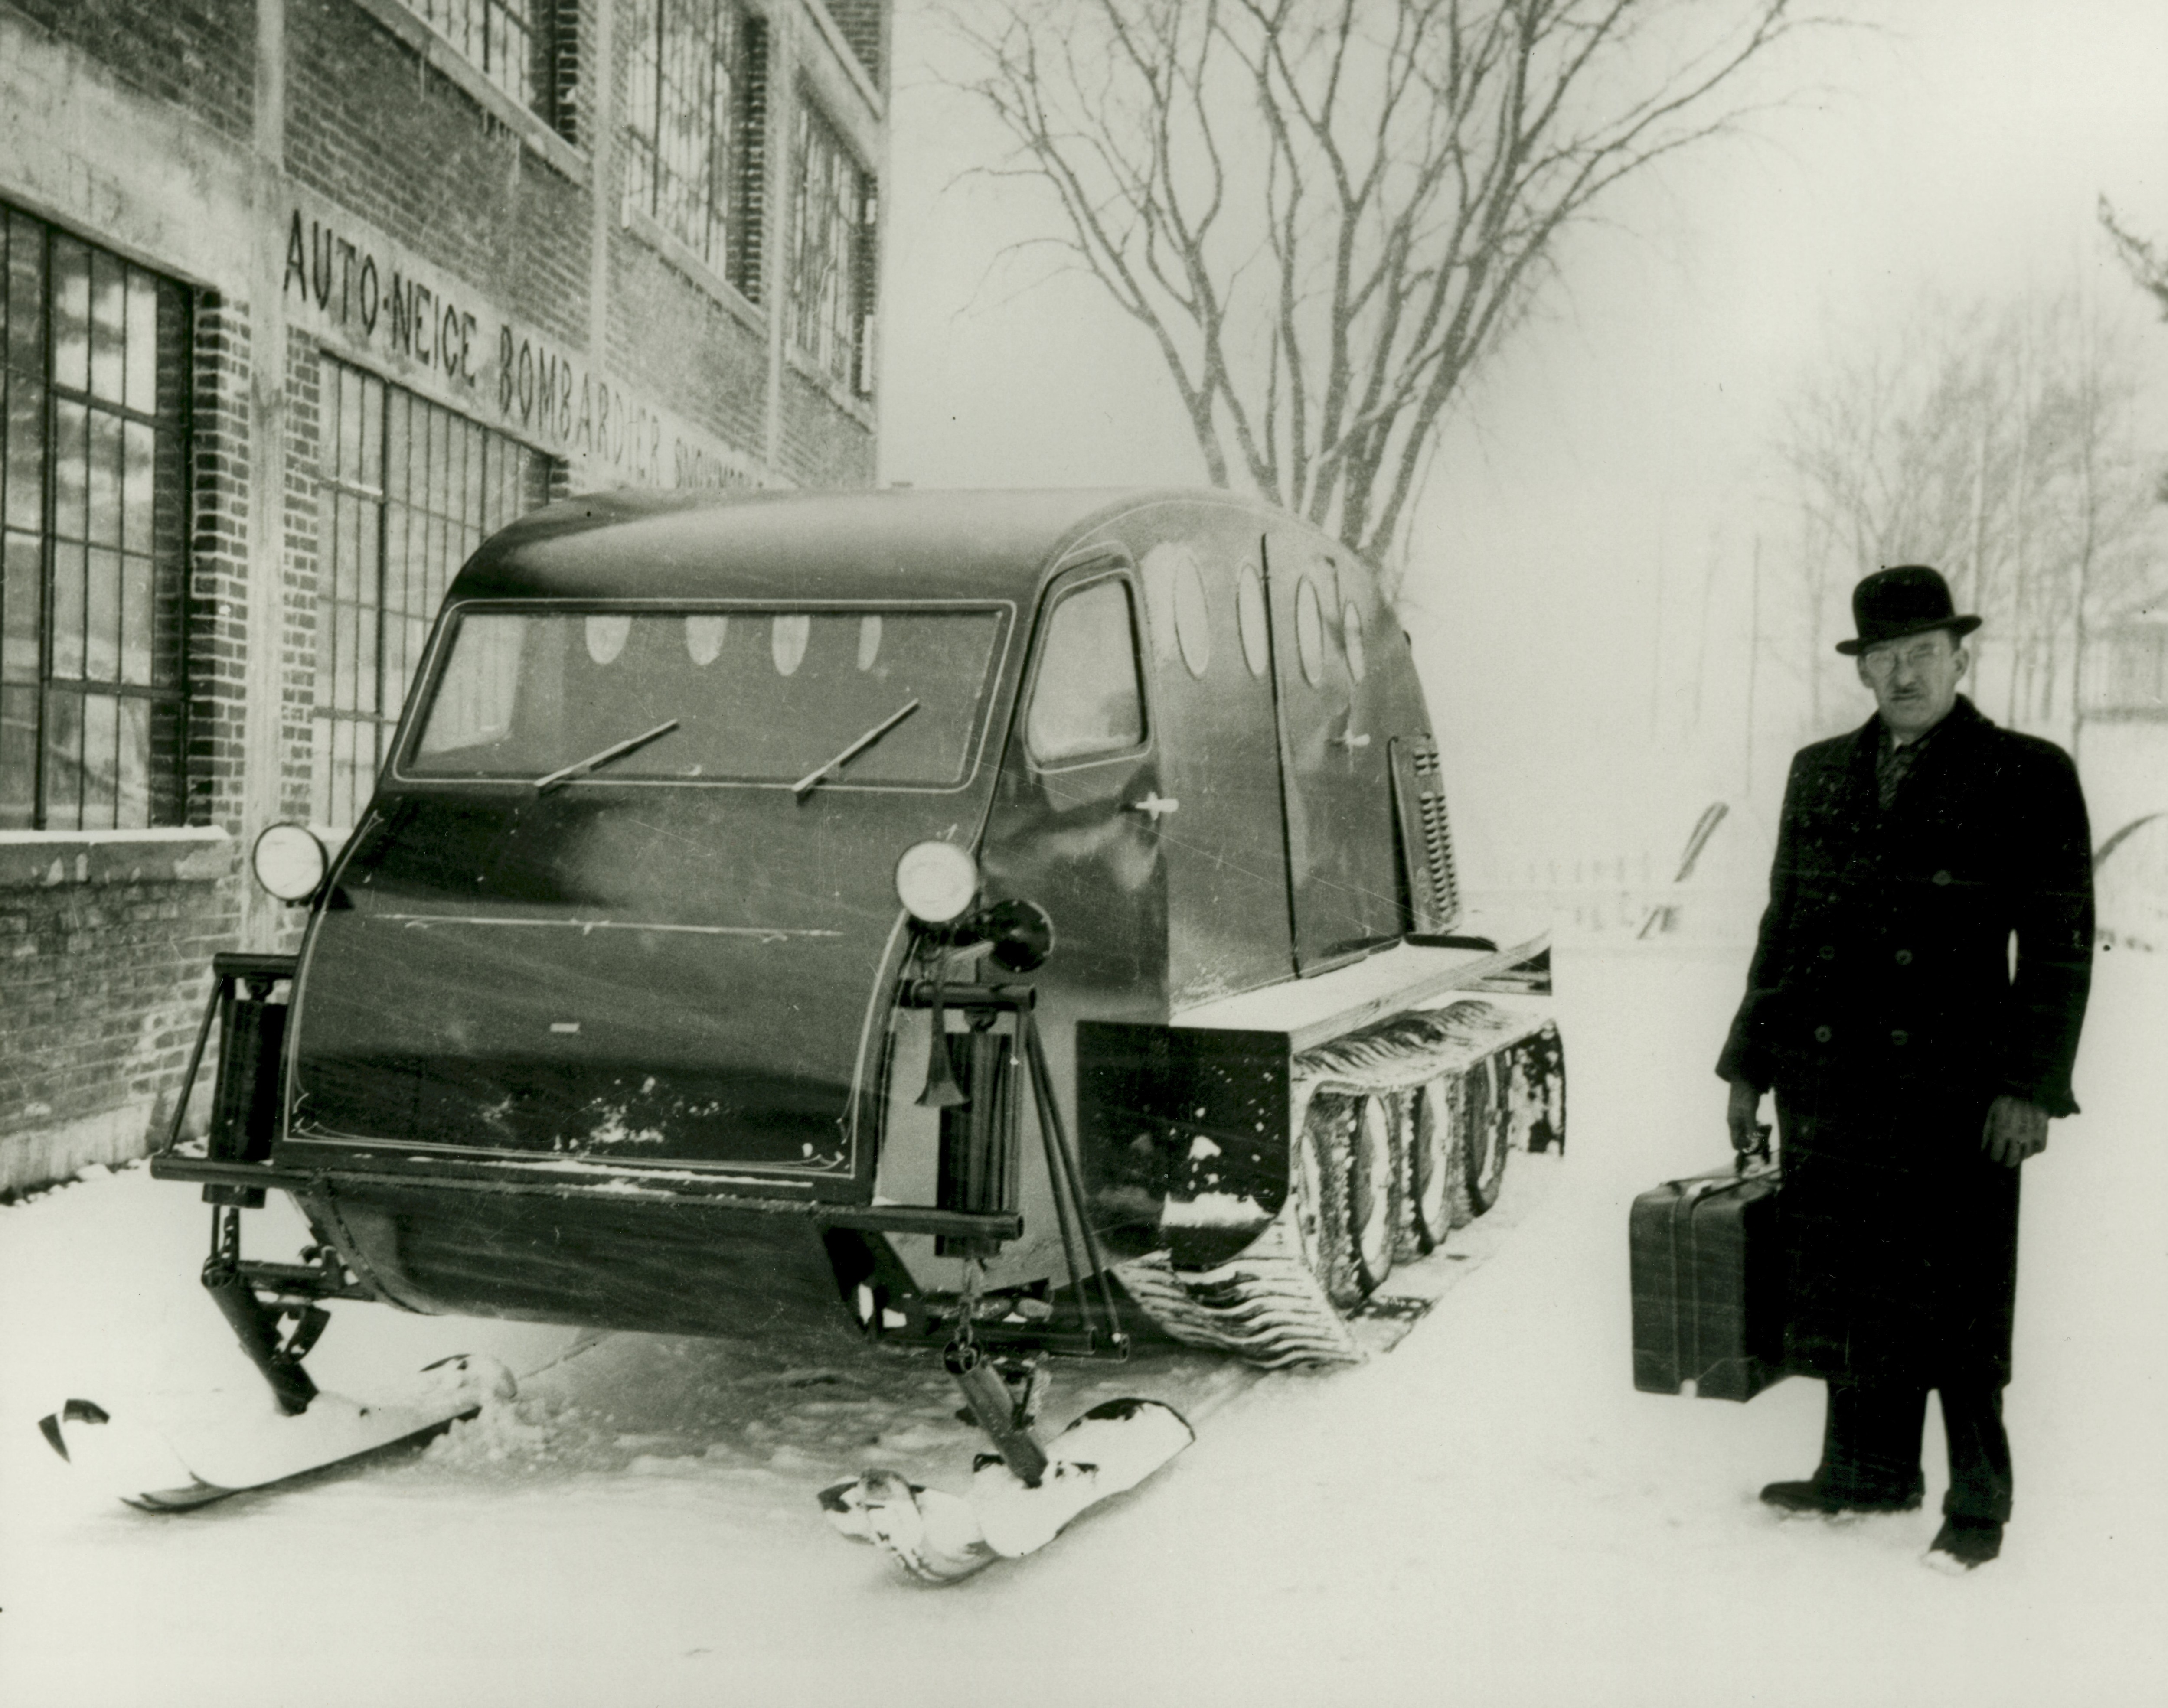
(1914, 962)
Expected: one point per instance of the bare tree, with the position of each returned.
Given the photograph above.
(1328, 213)
(2000, 444)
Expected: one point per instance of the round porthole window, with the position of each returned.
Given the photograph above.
(1351, 637)
(870, 631)
(703, 639)
(1192, 615)
(1159, 573)
(1250, 615)
(787, 639)
(1310, 633)
(606, 636)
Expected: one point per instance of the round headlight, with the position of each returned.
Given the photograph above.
(935, 881)
(289, 862)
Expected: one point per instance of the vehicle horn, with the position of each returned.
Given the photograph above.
(941, 1091)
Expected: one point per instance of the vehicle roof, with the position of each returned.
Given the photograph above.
(898, 543)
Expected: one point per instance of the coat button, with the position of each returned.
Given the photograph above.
(1904, 958)
(1821, 1034)
(1900, 1037)
(1942, 877)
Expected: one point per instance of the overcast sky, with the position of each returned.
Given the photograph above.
(1619, 450)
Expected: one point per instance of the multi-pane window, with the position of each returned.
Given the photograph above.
(832, 260)
(696, 118)
(407, 492)
(517, 45)
(92, 491)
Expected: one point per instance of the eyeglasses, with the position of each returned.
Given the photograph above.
(1881, 662)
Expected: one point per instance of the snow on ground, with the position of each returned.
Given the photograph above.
(1488, 1514)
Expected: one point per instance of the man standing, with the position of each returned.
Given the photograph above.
(1915, 1001)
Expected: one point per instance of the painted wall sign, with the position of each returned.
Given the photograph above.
(368, 297)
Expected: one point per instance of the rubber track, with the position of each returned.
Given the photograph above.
(1267, 1304)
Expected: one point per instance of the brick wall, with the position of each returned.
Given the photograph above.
(218, 579)
(823, 444)
(859, 22)
(301, 521)
(103, 972)
(446, 178)
(106, 939)
(673, 341)
(200, 54)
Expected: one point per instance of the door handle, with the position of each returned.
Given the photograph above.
(1152, 806)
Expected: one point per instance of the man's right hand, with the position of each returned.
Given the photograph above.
(1745, 1106)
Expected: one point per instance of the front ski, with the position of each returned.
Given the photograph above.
(177, 1465)
(940, 1538)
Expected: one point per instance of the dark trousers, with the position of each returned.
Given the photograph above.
(1871, 1445)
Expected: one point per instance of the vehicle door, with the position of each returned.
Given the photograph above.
(1343, 882)
(1221, 836)
(1077, 820)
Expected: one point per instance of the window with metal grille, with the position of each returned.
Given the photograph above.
(697, 120)
(520, 45)
(407, 491)
(833, 209)
(92, 532)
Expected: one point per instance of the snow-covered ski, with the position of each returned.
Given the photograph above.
(939, 1538)
(175, 1464)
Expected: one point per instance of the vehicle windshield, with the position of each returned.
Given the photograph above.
(759, 696)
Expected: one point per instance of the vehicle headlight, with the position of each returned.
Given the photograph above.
(290, 862)
(937, 882)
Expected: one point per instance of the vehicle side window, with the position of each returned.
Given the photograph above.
(1086, 699)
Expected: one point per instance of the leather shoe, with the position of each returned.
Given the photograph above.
(1964, 1543)
(1817, 1496)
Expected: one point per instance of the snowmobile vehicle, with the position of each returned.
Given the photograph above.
(972, 915)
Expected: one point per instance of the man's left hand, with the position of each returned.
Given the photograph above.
(2017, 1129)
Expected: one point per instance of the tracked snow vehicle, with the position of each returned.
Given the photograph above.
(970, 914)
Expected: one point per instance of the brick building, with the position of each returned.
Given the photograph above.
(303, 298)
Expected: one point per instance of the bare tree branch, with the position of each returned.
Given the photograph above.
(1330, 213)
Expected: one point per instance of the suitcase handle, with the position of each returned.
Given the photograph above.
(1740, 1159)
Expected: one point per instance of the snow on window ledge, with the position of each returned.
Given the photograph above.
(47, 859)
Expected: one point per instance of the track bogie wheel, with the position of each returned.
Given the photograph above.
(1429, 1131)
(1373, 1190)
(1321, 1179)
(1483, 1139)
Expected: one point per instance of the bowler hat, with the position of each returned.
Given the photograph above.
(1910, 599)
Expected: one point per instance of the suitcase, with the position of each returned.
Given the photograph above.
(1709, 1285)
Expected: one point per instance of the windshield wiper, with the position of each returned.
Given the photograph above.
(596, 761)
(813, 779)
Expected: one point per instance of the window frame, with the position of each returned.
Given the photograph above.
(526, 489)
(550, 33)
(736, 195)
(1063, 590)
(438, 654)
(165, 780)
(843, 354)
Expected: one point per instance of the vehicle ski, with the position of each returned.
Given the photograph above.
(938, 1538)
(994, 923)
(177, 1464)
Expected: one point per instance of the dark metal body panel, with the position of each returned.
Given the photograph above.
(1335, 727)
(683, 1266)
(1223, 848)
(728, 953)
(1191, 1116)
(602, 972)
